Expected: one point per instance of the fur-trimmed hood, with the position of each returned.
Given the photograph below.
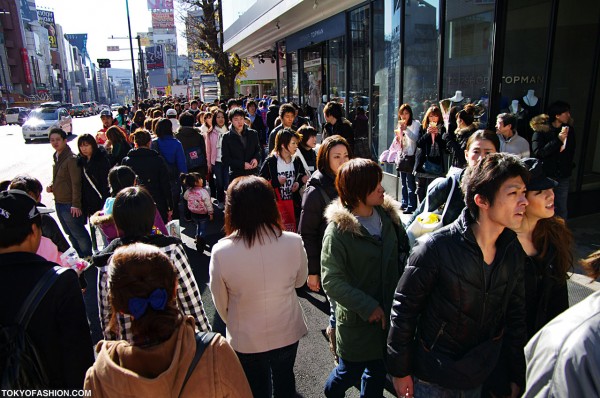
(466, 131)
(347, 222)
(540, 123)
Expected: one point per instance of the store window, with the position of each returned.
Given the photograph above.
(337, 68)
(523, 83)
(421, 47)
(294, 78)
(386, 75)
(572, 67)
(467, 54)
(283, 75)
(312, 81)
(358, 93)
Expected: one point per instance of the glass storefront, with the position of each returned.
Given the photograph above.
(424, 51)
(421, 47)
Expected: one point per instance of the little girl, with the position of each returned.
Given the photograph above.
(199, 204)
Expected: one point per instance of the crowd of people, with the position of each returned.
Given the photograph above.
(448, 313)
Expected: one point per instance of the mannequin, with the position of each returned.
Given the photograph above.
(514, 107)
(530, 98)
(458, 97)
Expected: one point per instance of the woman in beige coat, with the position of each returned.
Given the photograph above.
(254, 272)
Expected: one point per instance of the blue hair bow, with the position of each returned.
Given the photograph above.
(157, 300)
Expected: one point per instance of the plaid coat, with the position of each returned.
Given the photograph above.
(188, 293)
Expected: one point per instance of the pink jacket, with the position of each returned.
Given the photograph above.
(211, 138)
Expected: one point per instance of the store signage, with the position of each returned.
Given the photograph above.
(112, 48)
(155, 57)
(163, 19)
(160, 4)
(78, 40)
(312, 62)
(328, 29)
(516, 79)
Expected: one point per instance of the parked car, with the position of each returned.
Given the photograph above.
(42, 120)
(79, 110)
(17, 115)
(115, 107)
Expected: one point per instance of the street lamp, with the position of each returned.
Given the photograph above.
(131, 49)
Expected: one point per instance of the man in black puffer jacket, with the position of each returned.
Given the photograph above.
(462, 294)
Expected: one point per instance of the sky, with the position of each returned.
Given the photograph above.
(101, 19)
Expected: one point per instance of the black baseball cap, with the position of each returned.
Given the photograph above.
(17, 208)
(537, 177)
(106, 112)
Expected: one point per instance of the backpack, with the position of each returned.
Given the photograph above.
(195, 201)
(194, 158)
(23, 368)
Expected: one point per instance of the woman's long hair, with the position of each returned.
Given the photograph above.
(553, 232)
(254, 193)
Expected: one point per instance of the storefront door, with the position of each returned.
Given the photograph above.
(313, 78)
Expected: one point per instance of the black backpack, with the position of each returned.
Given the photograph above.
(194, 158)
(23, 368)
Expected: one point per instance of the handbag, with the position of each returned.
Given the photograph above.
(433, 168)
(405, 163)
(428, 221)
(286, 209)
(391, 154)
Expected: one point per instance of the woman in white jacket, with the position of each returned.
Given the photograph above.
(408, 135)
(254, 272)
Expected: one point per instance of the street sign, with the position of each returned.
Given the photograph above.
(112, 48)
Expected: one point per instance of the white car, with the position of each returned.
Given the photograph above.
(115, 107)
(42, 120)
(17, 115)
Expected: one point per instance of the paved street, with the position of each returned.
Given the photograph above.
(314, 361)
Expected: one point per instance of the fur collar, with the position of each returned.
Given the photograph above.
(466, 130)
(346, 222)
(540, 123)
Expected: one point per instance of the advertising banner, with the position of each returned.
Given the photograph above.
(46, 19)
(163, 19)
(155, 57)
(144, 39)
(78, 40)
(160, 4)
(26, 66)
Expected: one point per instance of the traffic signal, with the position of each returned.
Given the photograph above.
(103, 62)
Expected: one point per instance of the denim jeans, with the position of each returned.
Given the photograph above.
(561, 194)
(201, 220)
(422, 184)
(409, 188)
(75, 229)
(278, 364)
(347, 373)
(221, 179)
(429, 390)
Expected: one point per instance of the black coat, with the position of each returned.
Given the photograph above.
(545, 146)
(456, 144)
(341, 127)
(424, 145)
(191, 137)
(442, 301)
(272, 115)
(153, 174)
(319, 193)
(268, 171)
(97, 169)
(260, 129)
(59, 327)
(234, 153)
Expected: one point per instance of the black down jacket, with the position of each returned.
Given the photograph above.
(319, 193)
(442, 301)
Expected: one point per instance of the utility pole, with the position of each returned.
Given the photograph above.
(142, 72)
(135, 88)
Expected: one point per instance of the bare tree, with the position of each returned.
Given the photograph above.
(205, 36)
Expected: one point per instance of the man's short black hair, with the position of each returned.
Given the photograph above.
(27, 184)
(508, 119)
(134, 211)
(58, 131)
(488, 175)
(286, 108)
(10, 236)
(187, 119)
(236, 112)
(556, 108)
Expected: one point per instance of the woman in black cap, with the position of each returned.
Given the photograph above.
(548, 244)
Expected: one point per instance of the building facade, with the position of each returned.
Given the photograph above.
(382, 53)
